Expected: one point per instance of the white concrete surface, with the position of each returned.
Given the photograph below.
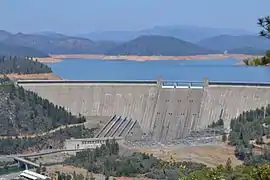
(167, 113)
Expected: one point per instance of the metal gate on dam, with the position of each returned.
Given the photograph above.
(164, 109)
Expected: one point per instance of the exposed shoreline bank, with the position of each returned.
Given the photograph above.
(41, 76)
(57, 57)
(49, 60)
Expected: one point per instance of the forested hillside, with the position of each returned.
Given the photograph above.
(19, 50)
(22, 65)
(227, 172)
(50, 44)
(24, 115)
(24, 112)
(107, 160)
(50, 141)
(251, 136)
(222, 172)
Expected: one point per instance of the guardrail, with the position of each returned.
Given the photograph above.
(86, 81)
(163, 82)
(238, 83)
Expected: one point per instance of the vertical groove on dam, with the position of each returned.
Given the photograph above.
(177, 110)
(165, 113)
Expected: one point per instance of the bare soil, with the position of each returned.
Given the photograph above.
(49, 60)
(49, 76)
(148, 58)
(211, 155)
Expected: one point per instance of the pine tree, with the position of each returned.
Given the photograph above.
(264, 23)
(228, 165)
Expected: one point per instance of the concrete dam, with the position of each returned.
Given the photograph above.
(163, 109)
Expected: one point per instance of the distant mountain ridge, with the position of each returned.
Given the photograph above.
(239, 44)
(173, 41)
(4, 34)
(247, 51)
(16, 50)
(184, 32)
(54, 43)
(156, 45)
(47, 44)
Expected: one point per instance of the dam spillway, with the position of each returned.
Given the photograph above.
(164, 110)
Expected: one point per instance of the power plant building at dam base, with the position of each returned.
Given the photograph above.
(165, 110)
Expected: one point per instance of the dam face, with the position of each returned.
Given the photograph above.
(177, 111)
(134, 100)
(164, 112)
(228, 101)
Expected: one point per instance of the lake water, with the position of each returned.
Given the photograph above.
(192, 70)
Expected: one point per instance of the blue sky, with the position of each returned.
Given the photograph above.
(83, 16)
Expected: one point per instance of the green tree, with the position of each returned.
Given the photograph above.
(264, 23)
(228, 165)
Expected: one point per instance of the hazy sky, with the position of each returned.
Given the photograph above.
(82, 16)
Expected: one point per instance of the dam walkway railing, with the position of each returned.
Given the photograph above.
(147, 82)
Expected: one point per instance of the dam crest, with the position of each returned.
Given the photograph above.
(165, 110)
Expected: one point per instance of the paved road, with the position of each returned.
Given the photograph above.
(9, 157)
(45, 133)
(43, 152)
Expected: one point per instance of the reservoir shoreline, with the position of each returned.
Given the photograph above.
(39, 76)
(54, 58)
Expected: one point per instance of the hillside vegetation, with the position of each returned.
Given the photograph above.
(25, 116)
(249, 129)
(220, 173)
(107, 160)
(264, 23)
(20, 50)
(227, 172)
(24, 112)
(49, 44)
(50, 141)
(158, 45)
(22, 65)
(258, 61)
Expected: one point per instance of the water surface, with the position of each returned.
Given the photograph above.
(191, 70)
